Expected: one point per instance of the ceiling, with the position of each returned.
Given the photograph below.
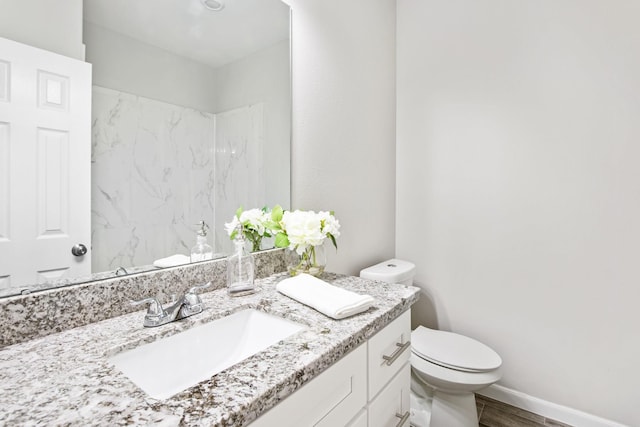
(187, 28)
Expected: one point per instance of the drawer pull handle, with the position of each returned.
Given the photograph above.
(397, 353)
(403, 418)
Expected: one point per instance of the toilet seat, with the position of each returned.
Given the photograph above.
(451, 380)
(453, 351)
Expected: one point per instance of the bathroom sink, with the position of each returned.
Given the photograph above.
(173, 364)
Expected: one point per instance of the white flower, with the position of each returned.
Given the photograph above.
(231, 226)
(251, 220)
(330, 224)
(303, 229)
(255, 219)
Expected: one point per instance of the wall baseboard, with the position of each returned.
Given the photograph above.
(547, 409)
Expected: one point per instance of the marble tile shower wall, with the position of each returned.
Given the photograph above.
(152, 178)
(158, 169)
(240, 172)
(25, 317)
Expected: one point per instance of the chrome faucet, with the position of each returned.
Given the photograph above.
(182, 307)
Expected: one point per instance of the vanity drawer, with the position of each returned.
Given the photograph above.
(391, 407)
(389, 350)
(331, 399)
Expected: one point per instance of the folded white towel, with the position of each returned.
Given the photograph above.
(327, 299)
(171, 261)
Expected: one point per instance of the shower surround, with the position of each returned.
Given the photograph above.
(157, 170)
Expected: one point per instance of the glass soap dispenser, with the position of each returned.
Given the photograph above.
(240, 268)
(202, 251)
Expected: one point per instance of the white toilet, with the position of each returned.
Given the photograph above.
(446, 368)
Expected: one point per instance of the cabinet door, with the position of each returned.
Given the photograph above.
(389, 349)
(391, 407)
(331, 399)
(360, 420)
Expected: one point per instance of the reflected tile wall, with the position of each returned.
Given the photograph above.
(239, 165)
(152, 178)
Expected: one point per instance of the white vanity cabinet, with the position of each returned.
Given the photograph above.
(391, 406)
(331, 399)
(369, 387)
(389, 374)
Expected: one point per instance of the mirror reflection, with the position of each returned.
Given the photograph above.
(190, 119)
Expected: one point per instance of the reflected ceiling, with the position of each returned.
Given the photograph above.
(195, 32)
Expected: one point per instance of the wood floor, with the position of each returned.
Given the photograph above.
(493, 413)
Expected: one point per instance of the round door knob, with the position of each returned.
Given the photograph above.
(79, 249)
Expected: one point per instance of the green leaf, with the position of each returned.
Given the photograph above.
(282, 241)
(277, 213)
(239, 212)
(233, 234)
(333, 240)
(272, 226)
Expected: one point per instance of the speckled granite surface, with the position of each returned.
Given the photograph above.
(66, 379)
(25, 317)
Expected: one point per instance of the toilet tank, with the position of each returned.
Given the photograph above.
(391, 271)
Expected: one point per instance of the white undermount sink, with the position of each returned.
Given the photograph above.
(173, 364)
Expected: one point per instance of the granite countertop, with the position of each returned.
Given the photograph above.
(66, 379)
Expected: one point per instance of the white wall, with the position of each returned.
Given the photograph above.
(51, 25)
(519, 187)
(128, 65)
(343, 123)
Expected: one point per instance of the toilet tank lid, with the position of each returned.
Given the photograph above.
(390, 271)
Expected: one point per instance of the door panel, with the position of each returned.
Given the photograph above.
(45, 165)
(4, 179)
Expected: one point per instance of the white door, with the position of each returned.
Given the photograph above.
(45, 165)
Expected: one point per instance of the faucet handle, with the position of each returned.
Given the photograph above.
(198, 287)
(193, 299)
(155, 308)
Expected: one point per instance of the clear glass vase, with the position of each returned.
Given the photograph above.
(256, 244)
(312, 261)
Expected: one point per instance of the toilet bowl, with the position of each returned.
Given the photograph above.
(449, 368)
(446, 368)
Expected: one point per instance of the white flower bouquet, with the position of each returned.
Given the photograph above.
(304, 232)
(254, 224)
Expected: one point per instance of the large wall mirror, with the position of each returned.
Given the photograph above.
(190, 119)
